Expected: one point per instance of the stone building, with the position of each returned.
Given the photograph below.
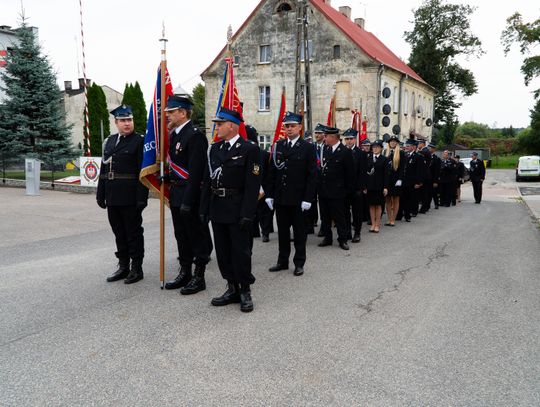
(345, 60)
(74, 107)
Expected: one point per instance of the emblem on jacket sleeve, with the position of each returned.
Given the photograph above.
(256, 169)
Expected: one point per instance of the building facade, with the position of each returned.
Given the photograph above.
(346, 61)
(74, 101)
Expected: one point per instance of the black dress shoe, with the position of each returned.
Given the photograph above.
(231, 296)
(265, 238)
(135, 274)
(344, 245)
(278, 267)
(298, 271)
(121, 273)
(325, 243)
(246, 303)
(183, 277)
(356, 238)
(437, 207)
(195, 285)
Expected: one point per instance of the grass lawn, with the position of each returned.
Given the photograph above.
(504, 161)
(45, 175)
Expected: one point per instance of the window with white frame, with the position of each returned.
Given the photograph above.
(424, 108)
(396, 100)
(405, 102)
(264, 98)
(265, 54)
(419, 106)
(413, 100)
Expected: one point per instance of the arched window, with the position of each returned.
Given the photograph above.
(419, 106)
(396, 99)
(284, 8)
(413, 110)
(405, 107)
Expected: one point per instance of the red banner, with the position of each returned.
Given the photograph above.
(280, 129)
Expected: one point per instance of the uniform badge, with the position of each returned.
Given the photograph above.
(237, 145)
(178, 147)
(256, 169)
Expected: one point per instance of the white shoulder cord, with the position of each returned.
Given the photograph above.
(213, 174)
(274, 154)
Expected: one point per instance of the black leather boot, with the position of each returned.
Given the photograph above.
(121, 273)
(136, 272)
(246, 303)
(197, 283)
(231, 296)
(183, 277)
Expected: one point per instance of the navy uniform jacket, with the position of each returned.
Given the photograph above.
(435, 168)
(477, 170)
(414, 170)
(427, 162)
(119, 183)
(187, 149)
(336, 179)
(448, 171)
(360, 158)
(292, 175)
(238, 171)
(377, 173)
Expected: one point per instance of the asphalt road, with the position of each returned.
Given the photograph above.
(439, 312)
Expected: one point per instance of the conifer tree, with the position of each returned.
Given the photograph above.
(98, 116)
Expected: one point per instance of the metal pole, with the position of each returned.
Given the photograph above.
(307, 78)
(162, 104)
(86, 120)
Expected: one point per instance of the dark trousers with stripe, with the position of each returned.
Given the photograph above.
(288, 216)
(333, 210)
(192, 238)
(126, 224)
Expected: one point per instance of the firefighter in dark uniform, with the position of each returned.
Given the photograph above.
(229, 200)
(187, 157)
(447, 178)
(292, 181)
(354, 201)
(478, 174)
(434, 170)
(318, 142)
(412, 180)
(263, 223)
(120, 191)
(426, 191)
(336, 181)
(365, 146)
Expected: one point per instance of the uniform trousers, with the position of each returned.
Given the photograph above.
(427, 193)
(126, 224)
(333, 209)
(435, 195)
(264, 219)
(354, 209)
(192, 238)
(408, 203)
(233, 252)
(477, 190)
(288, 216)
(447, 191)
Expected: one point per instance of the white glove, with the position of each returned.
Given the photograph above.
(398, 183)
(270, 203)
(305, 205)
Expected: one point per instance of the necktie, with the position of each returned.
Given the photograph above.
(227, 146)
(290, 144)
(120, 139)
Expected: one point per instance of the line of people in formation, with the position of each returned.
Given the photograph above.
(238, 187)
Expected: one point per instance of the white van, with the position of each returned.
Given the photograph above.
(528, 167)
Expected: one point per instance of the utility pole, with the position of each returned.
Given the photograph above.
(302, 43)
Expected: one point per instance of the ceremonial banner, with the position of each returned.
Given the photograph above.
(151, 160)
(331, 121)
(229, 98)
(280, 129)
(357, 124)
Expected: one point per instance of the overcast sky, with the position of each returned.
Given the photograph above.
(121, 43)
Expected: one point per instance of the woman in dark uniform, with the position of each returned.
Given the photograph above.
(395, 171)
(377, 184)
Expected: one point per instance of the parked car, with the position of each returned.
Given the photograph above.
(467, 163)
(528, 168)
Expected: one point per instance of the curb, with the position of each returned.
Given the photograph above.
(17, 183)
(531, 211)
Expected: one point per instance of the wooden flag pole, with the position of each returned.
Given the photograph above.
(162, 129)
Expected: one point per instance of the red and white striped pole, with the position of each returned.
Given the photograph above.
(86, 121)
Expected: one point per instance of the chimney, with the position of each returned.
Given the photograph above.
(360, 22)
(329, 2)
(81, 83)
(67, 86)
(346, 11)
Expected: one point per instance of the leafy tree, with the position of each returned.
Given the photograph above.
(527, 35)
(441, 34)
(134, 98)
(98, 115)
(198, 106)
(529, 139)
(33, 119)
(475, 130)
(508, 132)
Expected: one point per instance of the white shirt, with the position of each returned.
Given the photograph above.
(233, 140)
(179, 128)
(293, 141)
(335, 146)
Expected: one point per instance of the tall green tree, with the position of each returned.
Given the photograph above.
(134, 97)
(33, 119)
(441, 34)
(98, 117)
(198, 106)
(529, 139)
(527, 35)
